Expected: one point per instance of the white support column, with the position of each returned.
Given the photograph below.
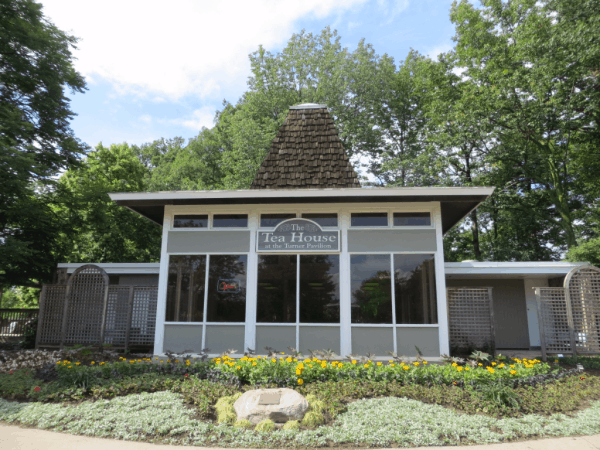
(440, 282)
(530, 284)
(345, 289)
(163, 278)
(251, 285)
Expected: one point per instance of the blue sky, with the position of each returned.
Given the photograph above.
(162, 71)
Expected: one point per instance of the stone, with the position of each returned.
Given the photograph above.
(279, 405)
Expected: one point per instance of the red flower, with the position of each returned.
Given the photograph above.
(582, 378)
(186, 375)
(455, 383)
(37, 389)
(10, 371)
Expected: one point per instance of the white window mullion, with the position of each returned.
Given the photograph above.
(345, 288)
(392, 281)
(204, 318)
(298, 302)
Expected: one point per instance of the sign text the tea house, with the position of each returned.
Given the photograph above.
(298, 235)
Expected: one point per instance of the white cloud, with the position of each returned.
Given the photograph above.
(172, 49)
(203, 117)
(442, 48)
(145, 118)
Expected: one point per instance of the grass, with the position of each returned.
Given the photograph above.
(164, 417)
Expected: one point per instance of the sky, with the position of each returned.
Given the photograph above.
(157, 69)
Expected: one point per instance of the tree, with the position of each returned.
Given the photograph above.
(99, 230)
(36, 141)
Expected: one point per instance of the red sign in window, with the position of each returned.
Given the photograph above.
(228, 286)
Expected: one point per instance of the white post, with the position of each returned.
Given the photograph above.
(533, 325)
(345, 289)
(251, 285)
(163, 278)
(440, 281)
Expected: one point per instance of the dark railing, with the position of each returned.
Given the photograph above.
(14, 321)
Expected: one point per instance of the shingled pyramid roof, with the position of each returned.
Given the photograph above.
(306, 153)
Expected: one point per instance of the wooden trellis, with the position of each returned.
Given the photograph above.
(92, 312)
(470, 317)
(569, 317)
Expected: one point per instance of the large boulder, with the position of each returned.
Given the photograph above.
(278, 405)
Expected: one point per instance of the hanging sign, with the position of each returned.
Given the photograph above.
(228, 286)
(298, 235)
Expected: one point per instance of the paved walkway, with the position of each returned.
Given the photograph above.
(13, 437)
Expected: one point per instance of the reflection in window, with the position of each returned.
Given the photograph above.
(369, 220)
(371, 288)
(324, 220)
(230, 221)
(276, 294)
(412, 219)
(319, 289)
(191, 221)
(272, 220)
(227, 288)
(414, 278)
(185, 288)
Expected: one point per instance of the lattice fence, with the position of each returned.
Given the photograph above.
(553, 320)
(470, 317)
(123, 316)
(13, 322)
(582, 288)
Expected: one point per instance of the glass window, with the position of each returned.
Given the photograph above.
(369, 220)
(371, 288)
(191, 221)
(227, 288)
(414, 278)
(412, 219)
(276, 294)
(230, 221)
(325, 220)
(319, 289)
(185, 288)
(272, 220)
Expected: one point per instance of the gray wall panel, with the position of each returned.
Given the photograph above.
(427, 339)
(208, 241)
(222, 337)
(374, 340)
(392, 240)
(319, 338)
(179, 338)
(138, 280)
(510, 309)
(279, 338)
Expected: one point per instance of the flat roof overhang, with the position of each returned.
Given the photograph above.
(455, 202)
(488, 269)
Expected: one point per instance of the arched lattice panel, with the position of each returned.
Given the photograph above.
(582, 289)
(52, 309)
(553, 320)
(85, 307)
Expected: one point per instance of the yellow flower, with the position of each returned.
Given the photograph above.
(390, 361)
(512, 366)
(480, 364)
(155, 358)
(310, 365)
(307, 360)
(454, 364)
(416, 364)
(298, 372)
(405, 367)
(239, 367)
(300, 381)
(283, 353)
(490, 370)
(378, 363)
(466, 368)
(353, 361)
(295, 360)
(93, 362)
(57, 362)
(218, 362)
(70, 367)
(501, 366)
(459, 369)
(323, 364)
(253, 363)
(77, 363)
(393, 365)
(161, 361)
(273, 360)
(493, 364)
(424, 362)
(288, 359)
(366, 365)
(513, 372)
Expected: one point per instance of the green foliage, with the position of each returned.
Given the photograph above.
(292, 425)
(21, 297)
(498, 392)
(313, 419)
(589, 362)
(99, 230)
(227, 416)
(265, 426)
(17, 383)
(588, 251)
(36, 141)
(29, 335)
(243, 424)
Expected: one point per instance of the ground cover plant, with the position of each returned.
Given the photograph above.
(339, 393)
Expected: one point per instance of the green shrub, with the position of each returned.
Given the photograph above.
(313, 419)
(311, 398)
(292, 425)
(17, 383)
(243, 424)
(265, 425)
(589, 362)
(317, 406)
(227, 416)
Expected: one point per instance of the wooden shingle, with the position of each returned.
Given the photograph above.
(306, 153)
